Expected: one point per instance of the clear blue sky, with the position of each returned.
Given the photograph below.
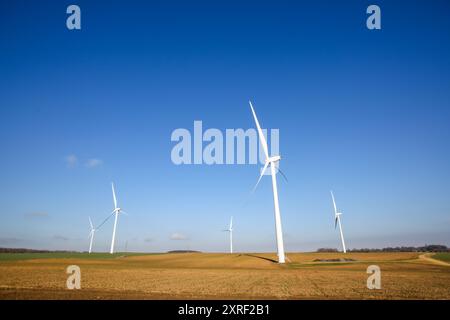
(365, 113)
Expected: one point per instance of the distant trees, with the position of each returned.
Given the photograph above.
(436, 248)
(425, 248)
(327, 250)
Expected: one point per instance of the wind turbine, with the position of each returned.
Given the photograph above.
(337, 220)
(91, 234)
(230, 230)
(117, 210)
(272, 162)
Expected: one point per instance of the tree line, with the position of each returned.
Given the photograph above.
(425, 248)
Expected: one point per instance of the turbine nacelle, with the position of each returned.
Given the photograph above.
(273, 159)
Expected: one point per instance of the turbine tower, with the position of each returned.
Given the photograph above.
(230, 230)
(272, 162)
(117, 210)
(337, 220)
(91, 234)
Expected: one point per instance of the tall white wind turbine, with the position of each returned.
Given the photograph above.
(272, 162)
(117, 210)
(91, 235)
(230, 230)
(337, 220)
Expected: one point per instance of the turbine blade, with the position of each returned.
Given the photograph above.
(90, 222)
(284, 176)
(262, 139)
(114, 195)
(104, 221)
(334, 203)
(335, 222)
(260, 176)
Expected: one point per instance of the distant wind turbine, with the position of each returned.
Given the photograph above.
(272, 161)
(337, 220)
(91, 234)
(117, 210)
(230, 230)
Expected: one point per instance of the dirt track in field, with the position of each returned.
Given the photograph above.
(427, 257)
(225, 276)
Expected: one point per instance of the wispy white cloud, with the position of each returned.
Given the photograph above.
(71, 160)
(178, 236)
(92, 163)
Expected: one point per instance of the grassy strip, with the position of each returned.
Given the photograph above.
(65, 255)
(443, 256)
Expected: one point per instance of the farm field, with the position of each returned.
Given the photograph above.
(224, 276)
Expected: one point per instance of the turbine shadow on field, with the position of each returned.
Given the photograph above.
(259, 257)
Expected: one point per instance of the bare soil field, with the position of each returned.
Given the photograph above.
(227, 276)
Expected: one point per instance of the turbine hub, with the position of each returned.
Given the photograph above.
(273, 159)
